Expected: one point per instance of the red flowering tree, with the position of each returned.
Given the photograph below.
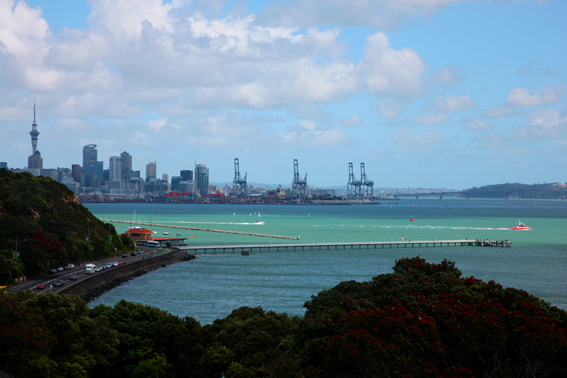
(425, 320)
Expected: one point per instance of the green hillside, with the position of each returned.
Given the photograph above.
(516, 190)
(50, 226)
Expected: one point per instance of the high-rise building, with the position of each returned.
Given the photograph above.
(187, 175)
(151, 170)
(165, 177)
(115, 168)
(90, 154)
(202, 178)
(3, 164)
(35, 161)
(126, 165)
(92, 168)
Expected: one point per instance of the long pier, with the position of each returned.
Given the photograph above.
(206, 229)
(244, 248)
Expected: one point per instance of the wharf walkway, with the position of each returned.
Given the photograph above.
(342, 246)
(205, 229)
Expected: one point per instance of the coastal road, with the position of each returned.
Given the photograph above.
(49, 279)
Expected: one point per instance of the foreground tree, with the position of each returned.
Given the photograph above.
(425, 320)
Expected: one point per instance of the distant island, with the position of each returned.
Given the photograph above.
(516, 190)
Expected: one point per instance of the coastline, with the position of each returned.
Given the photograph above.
(101, 282)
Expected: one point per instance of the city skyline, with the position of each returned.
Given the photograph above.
(430, 93)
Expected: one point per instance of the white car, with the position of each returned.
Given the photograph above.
(71, 266)
(98, 269)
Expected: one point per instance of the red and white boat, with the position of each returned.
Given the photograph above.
(520, 226)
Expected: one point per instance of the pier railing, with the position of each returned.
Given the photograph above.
(344, 246)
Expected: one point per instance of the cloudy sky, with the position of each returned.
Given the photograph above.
(427, 93)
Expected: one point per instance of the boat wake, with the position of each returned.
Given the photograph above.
(236, 223)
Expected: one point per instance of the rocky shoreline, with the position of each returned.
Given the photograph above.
(106, 280)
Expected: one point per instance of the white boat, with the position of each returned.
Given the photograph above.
(166, 233)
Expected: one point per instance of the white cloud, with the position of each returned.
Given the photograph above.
(498, 112)
(385, 70)
(452, 104)
(522, 96)
(310, 134)
(545, 124)
(445, 76)
(494, 141)
(353, 121)
(391, 108)
(156, 125)
(374, 13)
(403, 136)
(432, 119)
(478, 124)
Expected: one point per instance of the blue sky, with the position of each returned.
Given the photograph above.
(427, 93)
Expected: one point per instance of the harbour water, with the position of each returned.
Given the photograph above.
(211, 286)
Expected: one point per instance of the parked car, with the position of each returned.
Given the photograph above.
(109, 265)
(73, 278)
(71, 266)
(117, 263)
(59, 282)
(52, 271)
(134, 254)
(98, 268)
(124, 256)
(60, 269)
(40, 286)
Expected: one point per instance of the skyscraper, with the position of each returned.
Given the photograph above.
(187, 175)
(126, 165)
(202, 178)
(35, 161)
(151, 170)
(115, 168)
(91, 167)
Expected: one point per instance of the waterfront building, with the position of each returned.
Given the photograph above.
(92, 168)
(202, 179)
(175, 180)
(126, 163)
(115, 168)
(151, 170)
(186, 175)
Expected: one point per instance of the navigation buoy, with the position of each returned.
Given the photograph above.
(411, 219)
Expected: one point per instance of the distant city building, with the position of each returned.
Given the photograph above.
(202, 179)
(151, 170)
(115, 168)
(126, 159)
(76, 171)
(35, 161)
(175, 180)
(187, 175)
(92, 168)
(188, 187)
(3, 164)
(165, 177)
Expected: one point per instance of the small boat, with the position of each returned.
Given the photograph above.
(166, 233)
(520, 226)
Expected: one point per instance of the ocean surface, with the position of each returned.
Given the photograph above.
(211, 286)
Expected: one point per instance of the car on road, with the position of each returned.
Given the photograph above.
(52, 271)
(98, 268)
(124, 256)
(40, 286)
(59, 282)
(60, 269)
(71, 266)
(134, 254)
(109, 265)
(117, 263)
(73, 278)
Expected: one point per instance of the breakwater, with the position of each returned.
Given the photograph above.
(206, 229)
(103, 281)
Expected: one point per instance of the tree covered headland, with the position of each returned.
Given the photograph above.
(48, 226)
(422, 320)
(516, 190)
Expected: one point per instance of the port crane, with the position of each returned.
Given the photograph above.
(298, 186)
(239, 185)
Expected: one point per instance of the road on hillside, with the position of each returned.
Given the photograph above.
(49, 279)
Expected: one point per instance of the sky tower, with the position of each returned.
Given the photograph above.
(34, 133)
(35, 161)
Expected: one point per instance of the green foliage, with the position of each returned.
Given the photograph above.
(51, 226)
(422, 320)
(516, 190)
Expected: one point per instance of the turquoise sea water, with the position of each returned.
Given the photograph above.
(211, 286)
